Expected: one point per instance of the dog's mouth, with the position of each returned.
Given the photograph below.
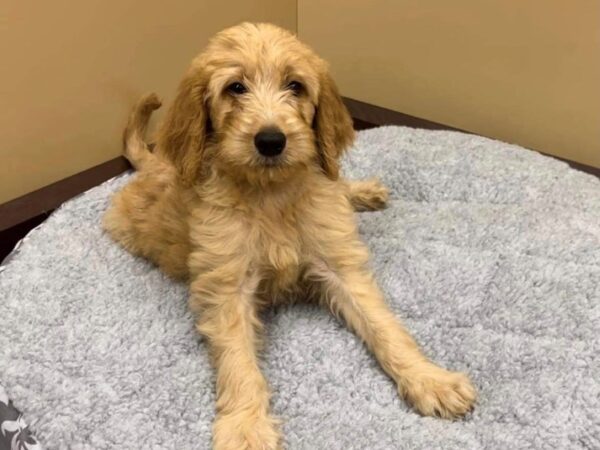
(271, 161)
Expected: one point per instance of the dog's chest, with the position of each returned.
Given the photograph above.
(279, 249)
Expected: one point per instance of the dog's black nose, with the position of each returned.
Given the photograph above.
(269, 142)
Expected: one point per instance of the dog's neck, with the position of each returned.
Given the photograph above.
(278, 192)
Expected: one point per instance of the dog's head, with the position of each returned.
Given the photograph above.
(265, 105)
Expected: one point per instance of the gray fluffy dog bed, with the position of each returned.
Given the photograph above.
(489, 252)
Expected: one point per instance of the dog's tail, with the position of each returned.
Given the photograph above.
(134, 146)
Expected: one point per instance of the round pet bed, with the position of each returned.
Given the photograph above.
(489, 252)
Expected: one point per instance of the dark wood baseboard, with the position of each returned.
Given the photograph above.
(12, 235)
(50, 197)
(362, 125)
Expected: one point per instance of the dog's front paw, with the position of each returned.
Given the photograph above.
(368, 195)
(243, 430)
(376, 194)
(434, 391)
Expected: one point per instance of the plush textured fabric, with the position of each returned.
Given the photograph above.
(489, 252)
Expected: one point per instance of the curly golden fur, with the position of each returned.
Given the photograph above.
(247, 230)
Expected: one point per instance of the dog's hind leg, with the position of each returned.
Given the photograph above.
(367, 195)
(149, 215)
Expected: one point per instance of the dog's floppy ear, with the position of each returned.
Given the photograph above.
(333, 126)
(183, 133)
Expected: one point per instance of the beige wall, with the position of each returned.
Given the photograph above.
(70, 71)
(522, 71)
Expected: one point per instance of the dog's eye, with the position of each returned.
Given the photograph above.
(237, 88)
(296, 87)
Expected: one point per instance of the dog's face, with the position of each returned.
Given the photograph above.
(265, 101)
(263, 94)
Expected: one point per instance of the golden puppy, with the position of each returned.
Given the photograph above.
(243, 198)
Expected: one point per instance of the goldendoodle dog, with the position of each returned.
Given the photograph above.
(243, 198)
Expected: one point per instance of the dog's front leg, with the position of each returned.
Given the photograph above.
(352, 293)
(224, 299)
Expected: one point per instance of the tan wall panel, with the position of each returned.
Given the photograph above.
(71, 70)
(526, 72)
